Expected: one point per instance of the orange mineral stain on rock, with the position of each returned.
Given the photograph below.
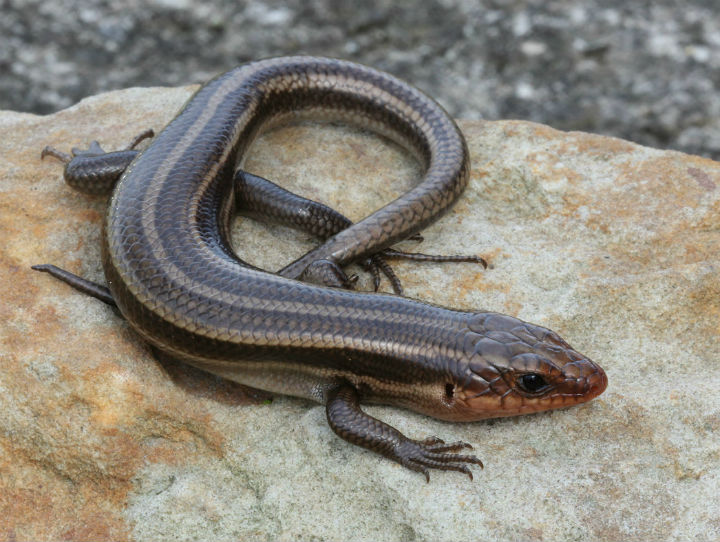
(111, 390)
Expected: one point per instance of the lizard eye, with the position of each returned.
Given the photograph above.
(531, 382)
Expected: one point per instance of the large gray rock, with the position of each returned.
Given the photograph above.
(613, 245)
(645, 71)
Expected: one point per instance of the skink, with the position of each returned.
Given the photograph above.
(173, 274)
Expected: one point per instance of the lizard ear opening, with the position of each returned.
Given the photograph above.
(449, 393)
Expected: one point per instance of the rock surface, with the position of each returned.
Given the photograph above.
(613, 245)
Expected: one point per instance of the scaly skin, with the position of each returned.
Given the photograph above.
(172, 272)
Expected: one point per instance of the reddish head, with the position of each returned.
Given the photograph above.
(513, 367)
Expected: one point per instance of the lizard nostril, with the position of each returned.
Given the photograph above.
(597, 383)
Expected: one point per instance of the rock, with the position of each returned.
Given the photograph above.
(613, 245)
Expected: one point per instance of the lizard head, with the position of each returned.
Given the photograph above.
(513, 367)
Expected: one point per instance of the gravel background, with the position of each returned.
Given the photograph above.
(647, 71)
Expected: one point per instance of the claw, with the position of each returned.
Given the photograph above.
(52, 151)
(417, 466)
(138, 138)
(420, 257)
(467, 471)
(434, 453)
(452, 447)
(375, 271)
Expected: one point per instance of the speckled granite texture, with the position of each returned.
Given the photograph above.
(645, 71)
(612, 244)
